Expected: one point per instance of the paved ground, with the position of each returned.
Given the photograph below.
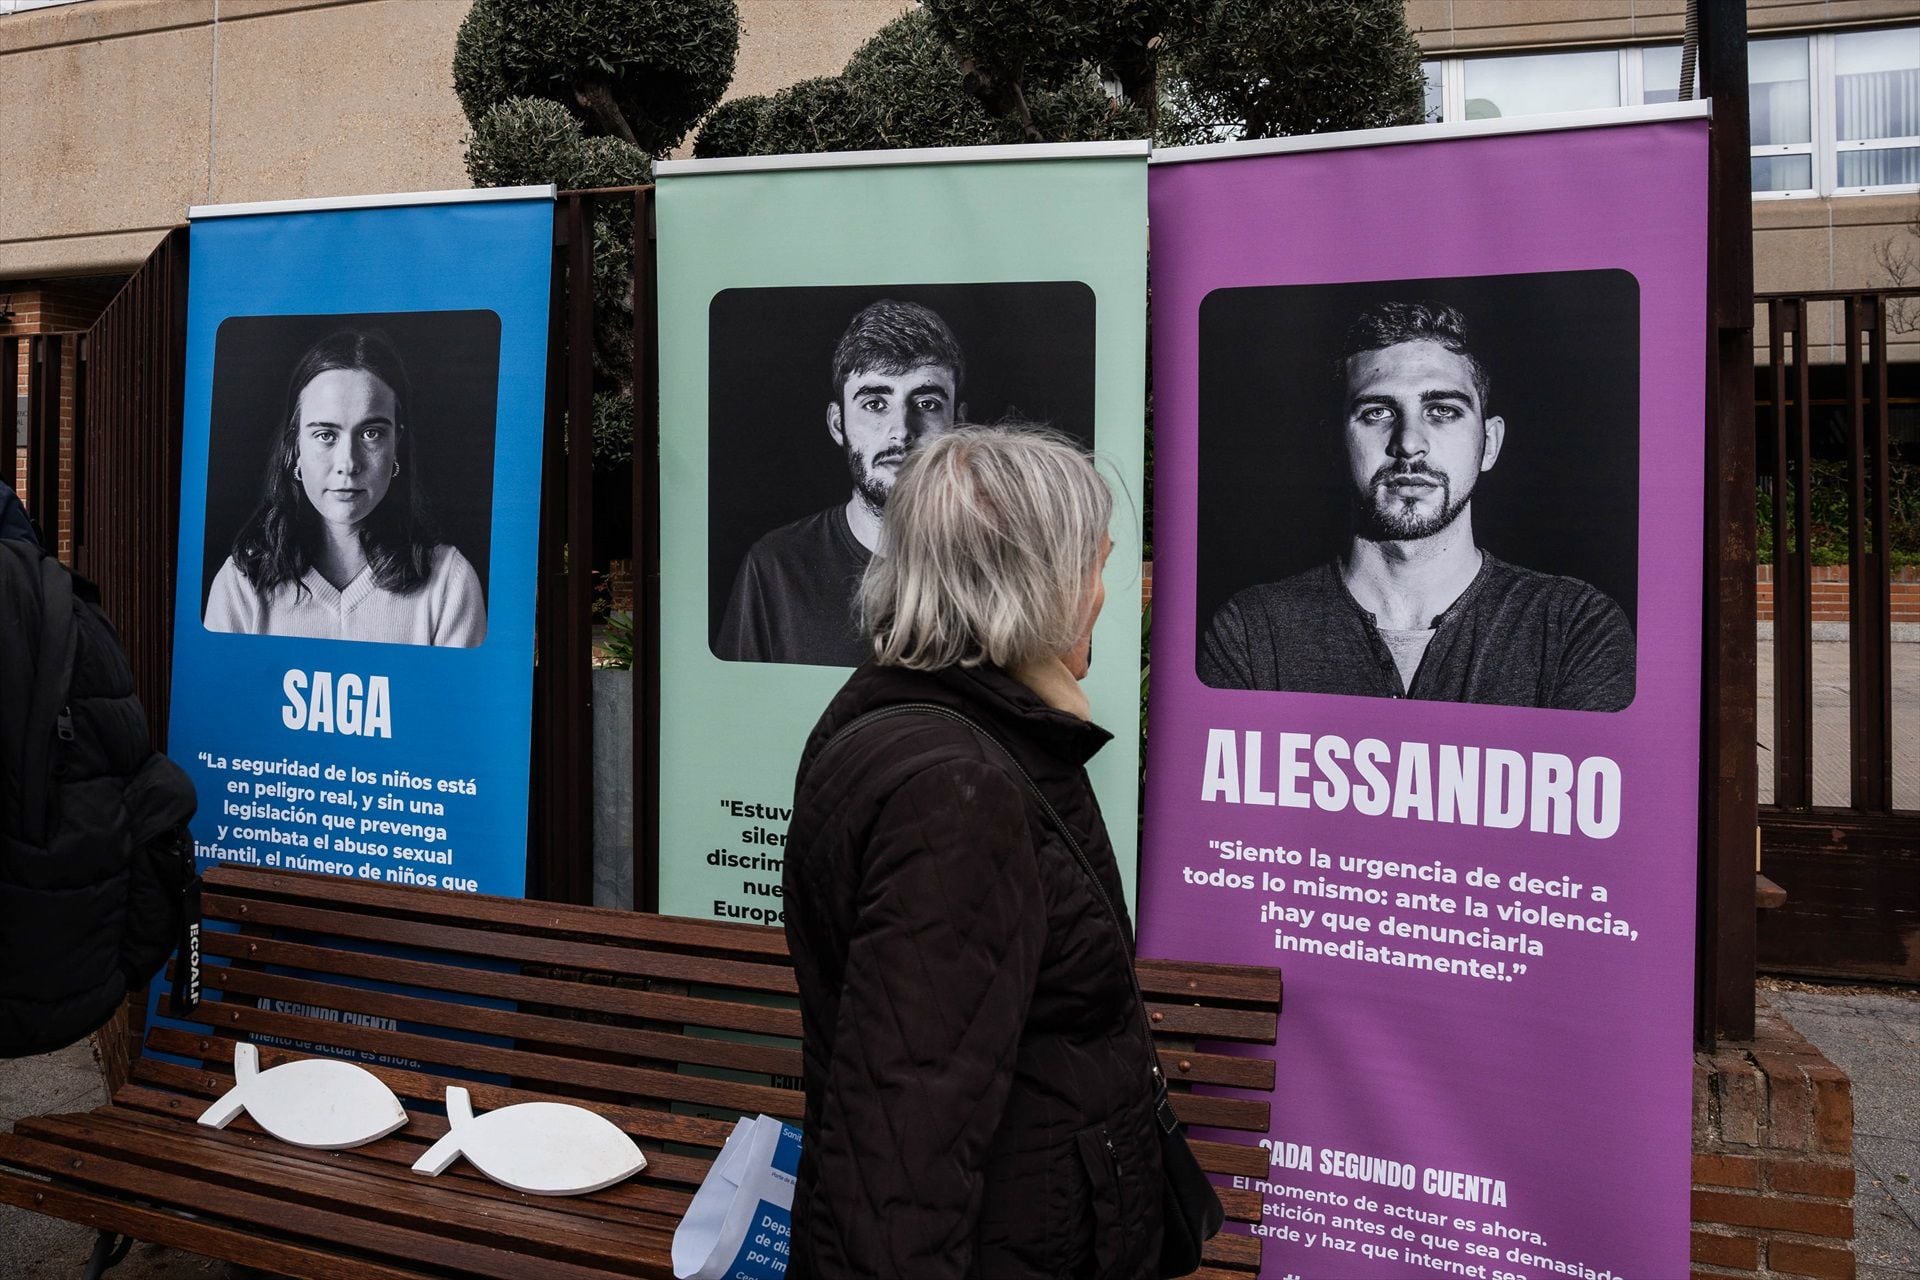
(1874, 1035)
(1831, 768)
(1875, 1038)
(36, 1248)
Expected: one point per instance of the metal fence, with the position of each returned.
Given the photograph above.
(560, 854)
(1834, 836)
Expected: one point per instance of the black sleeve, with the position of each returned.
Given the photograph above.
(1597, 658)
(14, 522)
(940, 974)
(1223, 661)
(743, 633)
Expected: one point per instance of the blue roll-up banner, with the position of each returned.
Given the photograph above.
(359, 507)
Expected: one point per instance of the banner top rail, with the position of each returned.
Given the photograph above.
(1549, 122)
(391, 200)
(905, 155)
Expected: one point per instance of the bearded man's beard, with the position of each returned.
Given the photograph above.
(1380, 516)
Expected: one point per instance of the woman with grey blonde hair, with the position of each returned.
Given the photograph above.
(980, 1094)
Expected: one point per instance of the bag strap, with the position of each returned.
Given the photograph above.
(1163, 1105)
(38, 683)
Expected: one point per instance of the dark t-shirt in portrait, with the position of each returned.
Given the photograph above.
(1514, 638)
(792, 600)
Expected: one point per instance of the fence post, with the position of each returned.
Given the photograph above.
(646, 560)
(1724, 990)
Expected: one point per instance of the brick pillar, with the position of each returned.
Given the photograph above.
(1772, 1159)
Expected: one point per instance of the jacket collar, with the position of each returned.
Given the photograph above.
(985, 692)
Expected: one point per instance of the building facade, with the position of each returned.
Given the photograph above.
(115, 115)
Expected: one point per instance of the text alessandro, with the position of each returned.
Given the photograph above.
(1471, 786)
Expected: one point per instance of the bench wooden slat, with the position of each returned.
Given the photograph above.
(1210, 1112)
(278, 1214)
(340, 1181)
(1201, 1023)
(484, 944)
(1230, 1159)
(421, 1087)
(666, 1185)
(546, 1067)
(588, 997)
(657, 1045)
(1200, 980)
(518, 915)
(1194, 1067)
(248, 1248)
(1238, 1251)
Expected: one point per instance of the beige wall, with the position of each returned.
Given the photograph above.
(782, 41)
(115, 115)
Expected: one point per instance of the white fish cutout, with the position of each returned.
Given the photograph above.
(541, 1148)
(313, 1102)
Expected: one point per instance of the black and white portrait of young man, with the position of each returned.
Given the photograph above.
(818, 395)
(1468, 452)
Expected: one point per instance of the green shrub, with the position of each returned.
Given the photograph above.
(1829, 502)
(730, 128)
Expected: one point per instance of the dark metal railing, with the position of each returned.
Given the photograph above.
(44, 358)
(126, 464)
(1850, 870)
(561, 813)
(1723, 992)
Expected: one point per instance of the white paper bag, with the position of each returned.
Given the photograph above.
(740, 1224)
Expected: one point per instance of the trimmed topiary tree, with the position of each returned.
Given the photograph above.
(1257, 69)
(642, 71)
(973, 72)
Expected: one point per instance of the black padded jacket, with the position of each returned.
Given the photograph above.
(978, 1076)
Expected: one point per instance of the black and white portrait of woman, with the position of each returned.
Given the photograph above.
(342, 542)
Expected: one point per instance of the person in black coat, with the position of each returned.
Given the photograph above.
(978, 1072)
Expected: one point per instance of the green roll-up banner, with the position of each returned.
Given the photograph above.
(819, 315)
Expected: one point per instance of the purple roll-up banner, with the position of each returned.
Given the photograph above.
(1425, 697)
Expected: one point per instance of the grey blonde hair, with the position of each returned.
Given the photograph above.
(992, 535)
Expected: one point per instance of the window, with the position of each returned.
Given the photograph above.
(1660, 74)
(1780, 112)
(1529, 84)
(1876, 109)
(1831, 113)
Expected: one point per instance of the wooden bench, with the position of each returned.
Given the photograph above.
(634, 1016)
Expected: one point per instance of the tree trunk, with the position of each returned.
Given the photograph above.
(597, 101)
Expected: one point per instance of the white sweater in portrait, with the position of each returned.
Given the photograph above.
(446, 610)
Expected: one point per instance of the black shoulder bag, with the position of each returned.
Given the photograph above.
(1189, 1206)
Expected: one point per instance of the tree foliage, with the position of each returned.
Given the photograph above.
(524, 141)
(730, 128)
(642, 71)
(975, 72)
(1257, 69)
(1010, 51)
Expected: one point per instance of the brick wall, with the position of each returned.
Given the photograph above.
(1772, 1160)
(1830, 593)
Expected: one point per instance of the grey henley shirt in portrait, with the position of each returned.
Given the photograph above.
(1514, 638)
